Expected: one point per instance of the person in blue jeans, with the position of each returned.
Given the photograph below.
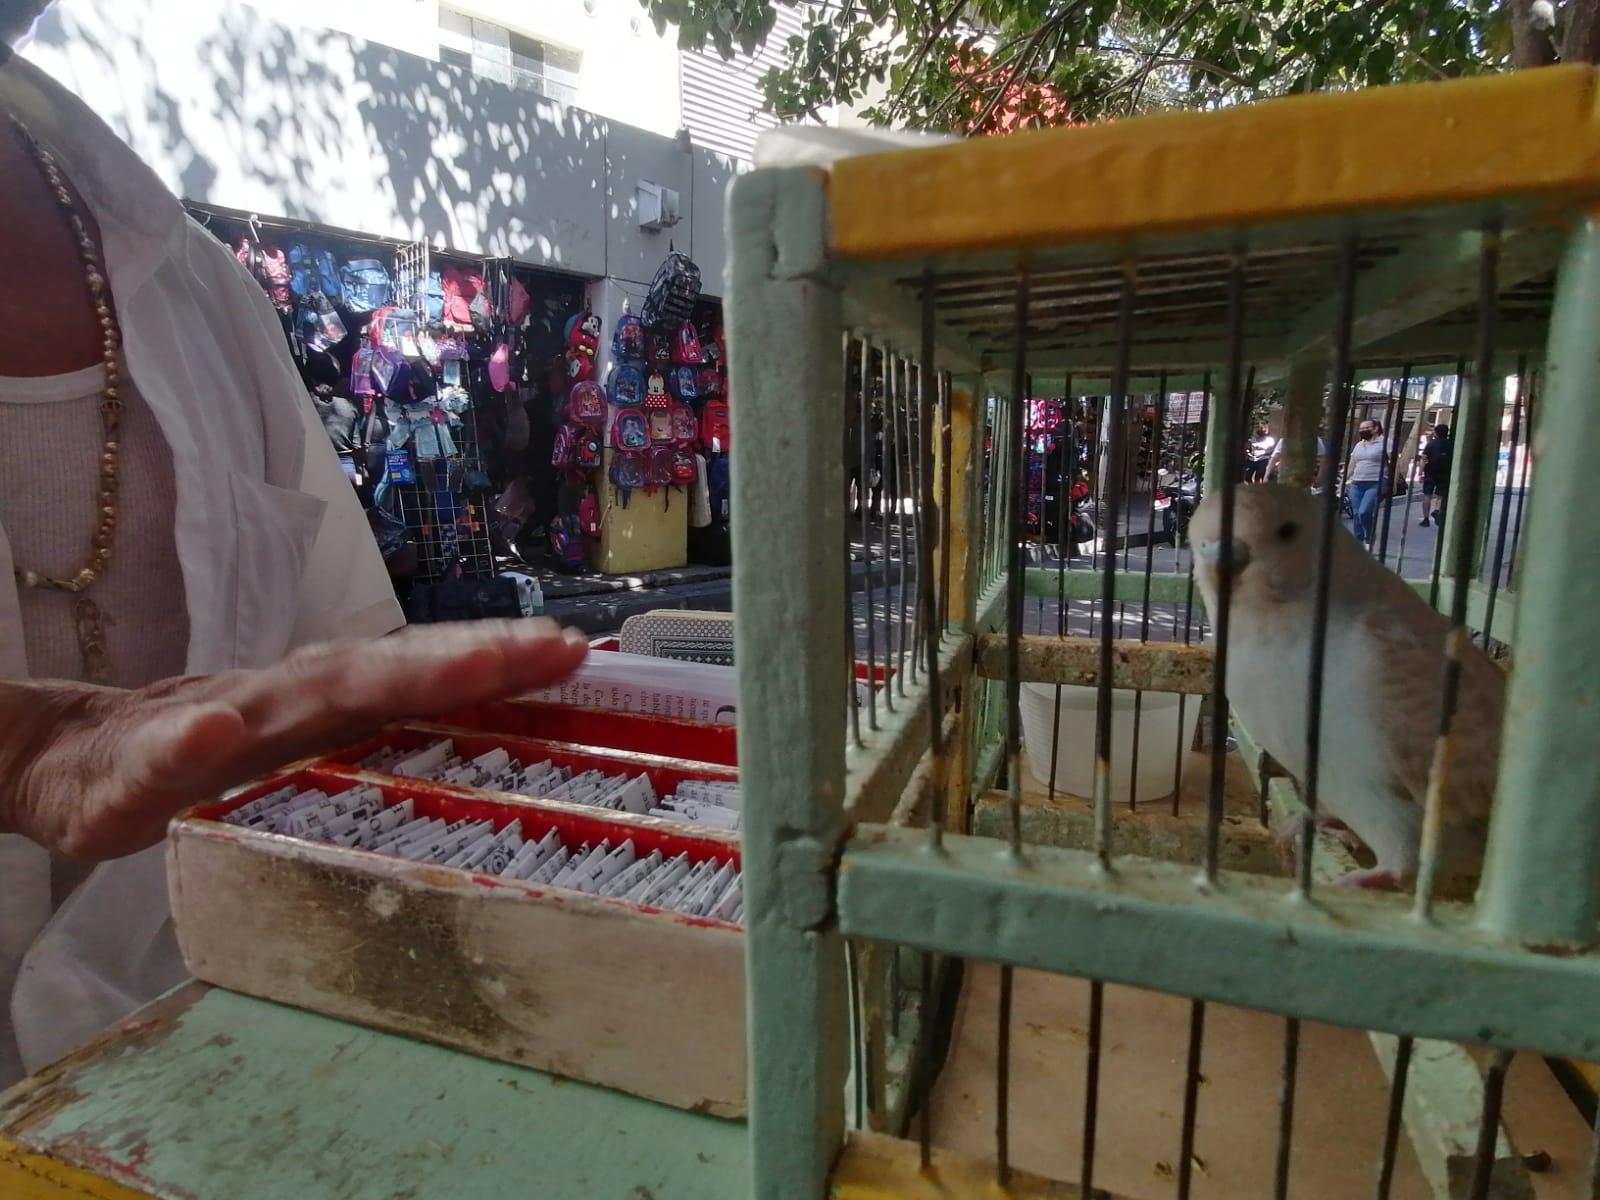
(1362, 477)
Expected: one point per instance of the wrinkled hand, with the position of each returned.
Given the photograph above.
(96, 773)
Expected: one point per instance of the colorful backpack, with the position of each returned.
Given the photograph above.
(673, 292)
(709, 382)
(466, 297)
(318, 322)
(715, 432)
(658, 468)
(630, 431)
(686, 383)
(432, 298)
(627, 340)
(272, 268)
(586, 405)
(330, 282)
(686, 346)
(583, 332)
(362, 378)
(717, 484)
(566, 541)
(660, 426)
(302, 259)
(364, 284)
(564, 453)
(685, 426)
(394, 328)
(518, 302)
(587, 454)
(627, 386)
(655, 393)
(580, 366)
(672, 466)
(589, 514)
(658, 350)
(628, 471)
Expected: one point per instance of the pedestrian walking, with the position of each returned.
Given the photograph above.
(1435, 475)
(1363, 473)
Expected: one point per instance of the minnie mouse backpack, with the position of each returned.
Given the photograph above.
(629, 431)
(627, 386)
(686, 346)
(656, 398)
(586, 405)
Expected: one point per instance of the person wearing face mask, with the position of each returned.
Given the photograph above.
(1362, 475)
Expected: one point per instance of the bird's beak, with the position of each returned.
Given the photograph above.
(1211, 552)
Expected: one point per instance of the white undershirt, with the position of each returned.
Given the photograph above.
(50, 445)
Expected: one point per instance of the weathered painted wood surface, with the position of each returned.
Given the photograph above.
(561, 981)
(209, 1095)
(1142, 666)
(874, 1167)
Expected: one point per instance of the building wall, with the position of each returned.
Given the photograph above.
(235, 109)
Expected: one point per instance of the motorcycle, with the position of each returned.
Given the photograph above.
(1175, 499)
(1080, 522)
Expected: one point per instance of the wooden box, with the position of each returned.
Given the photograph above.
(639, 999)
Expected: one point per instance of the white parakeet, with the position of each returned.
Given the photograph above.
(1382, 687)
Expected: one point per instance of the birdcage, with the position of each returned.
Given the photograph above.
(890, 318)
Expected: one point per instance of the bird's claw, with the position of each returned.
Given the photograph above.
(1370, 877)
(1289, 837)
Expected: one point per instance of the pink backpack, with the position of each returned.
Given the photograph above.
(660, 427)
(684, 426)
(686, 346)
(565, 451)
(629, 430)
(587, 405)
(672, 466)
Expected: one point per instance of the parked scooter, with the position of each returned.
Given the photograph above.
(1176, 497)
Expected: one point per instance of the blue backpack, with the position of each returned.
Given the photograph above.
(330, 282)
(365, 285)
(717, 485)
(433, 297)
(627, 385)
(303, 279)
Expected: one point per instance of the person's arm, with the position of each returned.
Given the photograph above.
(95, 773)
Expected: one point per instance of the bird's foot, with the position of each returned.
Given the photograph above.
(1371, 877)
(1289, 836)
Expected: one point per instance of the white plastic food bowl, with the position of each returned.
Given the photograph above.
(1160, 746)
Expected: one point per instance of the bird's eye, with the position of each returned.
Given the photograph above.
(1287, 530)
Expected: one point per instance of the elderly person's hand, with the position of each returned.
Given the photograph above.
(96, 773)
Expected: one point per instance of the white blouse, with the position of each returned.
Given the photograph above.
(272, 547)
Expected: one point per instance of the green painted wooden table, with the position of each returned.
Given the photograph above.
(210, 1095)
